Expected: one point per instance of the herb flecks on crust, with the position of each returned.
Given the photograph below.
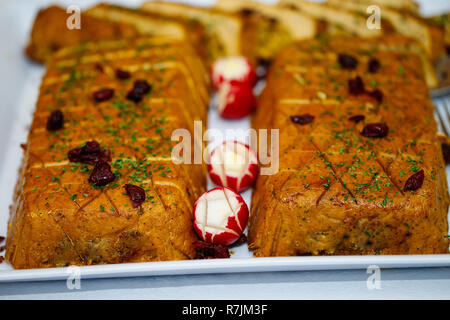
(346, 175)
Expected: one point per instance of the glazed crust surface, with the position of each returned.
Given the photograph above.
(50, 32)
(58, 218)
(336, 191)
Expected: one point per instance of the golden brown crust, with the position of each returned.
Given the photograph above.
(106, 22)
(268, 28)
(339, 20)
(264, 37)
(222, 31)
(150, 24)
(50, 32)
(404, 22)
(338, 192)
(58, 218)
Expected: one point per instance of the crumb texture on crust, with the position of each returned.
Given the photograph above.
(223, 31)
(57, 217)
(336, 191)
(50, 32)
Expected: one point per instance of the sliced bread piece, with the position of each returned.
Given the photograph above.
(223, 31)
(50, 33)
(144, 23)
(268, 28)
(351, 23)
(401, 5)
(149, 24)
(444, 22)
(429, 35)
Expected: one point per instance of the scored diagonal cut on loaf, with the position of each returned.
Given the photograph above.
(58, 218)
(344, 184)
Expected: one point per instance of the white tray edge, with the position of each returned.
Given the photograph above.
(235, 265)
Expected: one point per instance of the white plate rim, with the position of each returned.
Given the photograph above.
(235, 265)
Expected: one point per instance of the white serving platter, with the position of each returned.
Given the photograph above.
(19, 86)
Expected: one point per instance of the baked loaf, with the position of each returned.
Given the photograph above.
(431, 37)
(223, 32)
(50, 33)
(349, 18)
(444, 22)
(149, 24)
(351, 155)
(144, 23)
(58, 217)
(408, 6)
(336, 17)
(268, 28)
(211, 33)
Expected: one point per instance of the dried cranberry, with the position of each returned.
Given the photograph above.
(357, 118)
(133, 96)
(122, 74)
(90, 153)
(140, 88)
(242, 239)
(374, 65)
(265, 62)
(103, 94)
(55, 121)
(356, 86)
(303, 119)
(206, 250)
(263, 65)
(446, 152)
(273, 20)
(102, 174)
(376, 94)
(347, 62)
(291, 6)
(247, 12)
(99, 67)
(375, 130)
(136, 194)
(415, 181)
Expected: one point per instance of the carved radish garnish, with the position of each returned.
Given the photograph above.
(235, 100)
(233, 165)
(220, 216)
(235, 68)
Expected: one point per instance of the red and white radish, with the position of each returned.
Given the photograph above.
(236, 68)
(220, 216)
(235, 100)
(233, 165)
